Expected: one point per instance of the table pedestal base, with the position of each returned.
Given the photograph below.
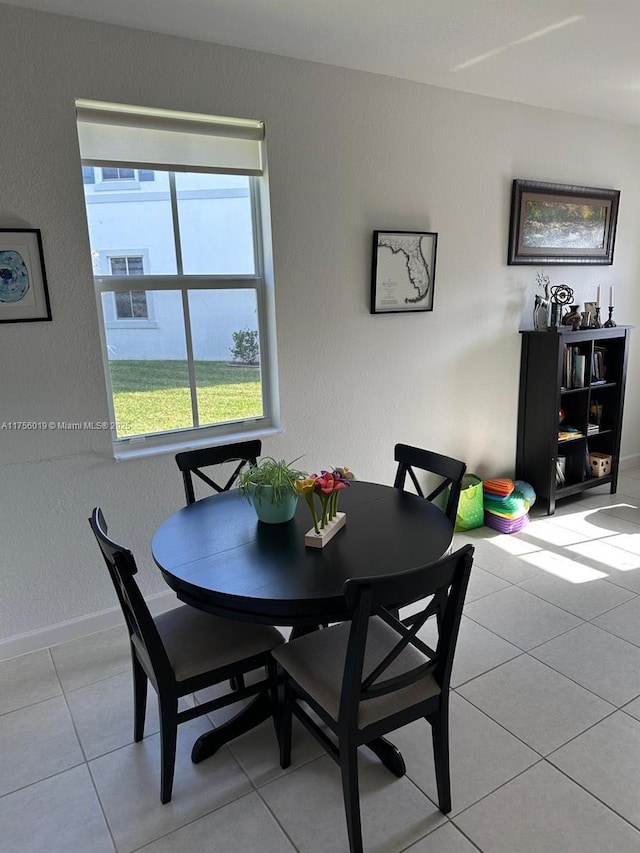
(256, 712)
(259, 710)
(389, 755)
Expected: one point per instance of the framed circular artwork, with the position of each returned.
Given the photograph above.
(24, 296)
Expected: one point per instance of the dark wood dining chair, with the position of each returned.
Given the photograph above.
(190, 462)
(373, 675)
(448, 471)
(179, 652)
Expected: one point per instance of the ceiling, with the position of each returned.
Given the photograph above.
(580, 56)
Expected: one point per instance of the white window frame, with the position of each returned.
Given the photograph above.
(261, 282)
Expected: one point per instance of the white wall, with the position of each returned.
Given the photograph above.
(348, 153)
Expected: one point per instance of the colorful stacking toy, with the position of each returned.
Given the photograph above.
(507, 504)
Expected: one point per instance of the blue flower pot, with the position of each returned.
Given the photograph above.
(269, 512)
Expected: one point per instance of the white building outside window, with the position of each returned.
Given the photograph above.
(193, 229)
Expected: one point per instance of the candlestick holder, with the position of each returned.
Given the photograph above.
(609, 324)
(597, 323)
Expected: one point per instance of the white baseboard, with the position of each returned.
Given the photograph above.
(62, 632)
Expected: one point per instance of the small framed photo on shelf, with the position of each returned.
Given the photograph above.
(561, 224)
(403, 271)
(24, 296)
(590, 311)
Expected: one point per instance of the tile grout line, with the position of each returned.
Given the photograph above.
(86, 761)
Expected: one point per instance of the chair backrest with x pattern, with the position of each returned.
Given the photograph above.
(449, 470)
(191, 461)
(122, 567)
(443, 584)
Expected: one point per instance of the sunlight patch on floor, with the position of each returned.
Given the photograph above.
(551, 534)
(563, 567)
(592, 523)
(608, 555)
(511, 544)
(626, 541)
(578, 547)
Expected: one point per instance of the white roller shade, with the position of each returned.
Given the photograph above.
(139, 137)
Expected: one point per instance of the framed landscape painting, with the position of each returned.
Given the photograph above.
(562, 224)
(403, 271)
(23, 283)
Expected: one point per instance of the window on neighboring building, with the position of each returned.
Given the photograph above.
(126, 265)
(114, 174)
(203, 222)
(130, 304)
(118, 174)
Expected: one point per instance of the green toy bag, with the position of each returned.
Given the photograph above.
(471, 505)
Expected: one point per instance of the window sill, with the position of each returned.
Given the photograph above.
(125, 323)
(171, 444)
(116, 184)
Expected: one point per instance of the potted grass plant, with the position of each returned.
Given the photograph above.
(270, 488)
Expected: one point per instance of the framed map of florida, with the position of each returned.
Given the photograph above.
(403, 271)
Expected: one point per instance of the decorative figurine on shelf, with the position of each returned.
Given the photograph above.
(561, 294)
(573, 318)
(541, 304)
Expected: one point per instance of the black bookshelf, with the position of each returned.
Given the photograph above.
(583, 373)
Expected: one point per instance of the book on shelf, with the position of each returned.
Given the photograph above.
(578, 365)
(566, 366)
(592, 429)
(561, 465)
(598, 366)
(568, 433)
(577, 372)
(574, 373)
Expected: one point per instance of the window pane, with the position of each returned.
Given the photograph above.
(118, 266)
(123, 305)
(134, 223)
(216, 229)
(228, 374)
(139, 303)
(148, 368)
(110, 174)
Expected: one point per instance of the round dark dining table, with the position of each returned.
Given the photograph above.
(218, 557)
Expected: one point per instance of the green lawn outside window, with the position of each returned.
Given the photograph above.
(153, 396)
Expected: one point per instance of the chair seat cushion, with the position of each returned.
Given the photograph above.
(316, 662)
(197, 642)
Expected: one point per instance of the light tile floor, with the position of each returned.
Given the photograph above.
(545, 727)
